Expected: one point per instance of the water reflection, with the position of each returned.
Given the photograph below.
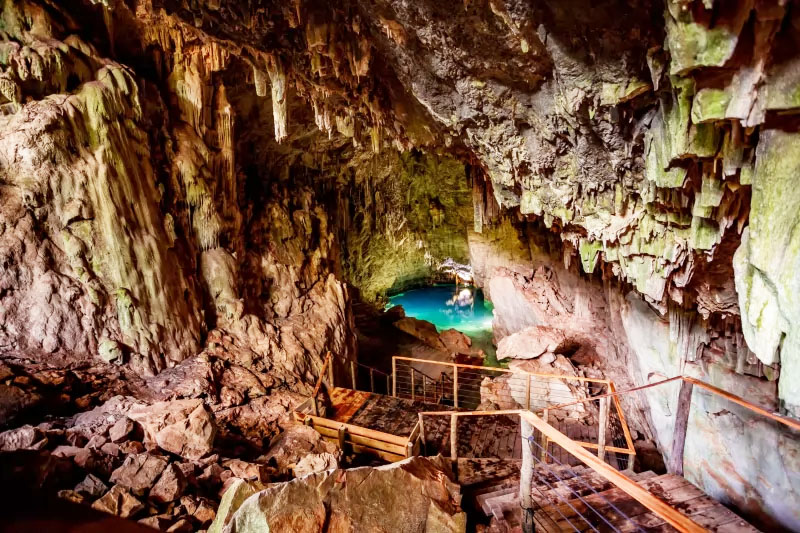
(448, 306)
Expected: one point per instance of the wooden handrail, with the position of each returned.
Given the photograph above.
(624, 483)
(789, 422)
(322, 374)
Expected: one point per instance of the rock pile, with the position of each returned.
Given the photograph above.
(157, 463)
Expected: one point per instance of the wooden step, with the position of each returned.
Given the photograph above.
(486, 501)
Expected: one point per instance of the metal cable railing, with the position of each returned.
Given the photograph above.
(566, 402)
(537, 451)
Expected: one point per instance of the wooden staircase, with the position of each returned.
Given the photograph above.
(576, 498)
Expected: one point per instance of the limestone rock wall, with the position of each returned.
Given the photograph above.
(133, 219)
(612, 331)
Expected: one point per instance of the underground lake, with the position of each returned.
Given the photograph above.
(460, 307)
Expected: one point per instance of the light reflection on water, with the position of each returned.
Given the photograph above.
(447, 306)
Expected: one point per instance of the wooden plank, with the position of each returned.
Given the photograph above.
(346, 403)
(675, 462)
(394, 377)
(422, 434)
(657, 505)
(386, 456)
(358, 439)
(622, 422)
(356, 430)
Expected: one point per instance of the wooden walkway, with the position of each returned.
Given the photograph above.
(486, 436)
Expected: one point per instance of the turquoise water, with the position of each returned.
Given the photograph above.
(446, 306)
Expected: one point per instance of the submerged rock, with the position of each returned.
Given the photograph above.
(421, 329)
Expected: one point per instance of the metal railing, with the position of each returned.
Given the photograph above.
(577, 406)
(364, 377)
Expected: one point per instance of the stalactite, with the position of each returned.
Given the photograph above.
(260, 79)
(277, 76)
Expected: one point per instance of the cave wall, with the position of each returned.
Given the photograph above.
(407, 213)
(736, 456)
(134, 218)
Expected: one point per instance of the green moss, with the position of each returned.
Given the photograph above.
(710, 104)
(704, 233)
(589, 251)
(694, 45)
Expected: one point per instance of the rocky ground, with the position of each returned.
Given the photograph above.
(163, 457)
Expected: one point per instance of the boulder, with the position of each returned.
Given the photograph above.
(120, 430)
(120, 502)
(205, 512)
(316, 462)
(245, 470)
(96, 462)
(533, 342)
(160, 522)
(295, 443)
(182, 427)
(92, 486)
(139, 472)
(416, 493)
(15, 400)
(237, 492)
(421, 329)
(455, 341)
(260, 419)
(170, 485)
(182, 525)
(22, 438)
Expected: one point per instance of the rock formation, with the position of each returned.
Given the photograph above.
(193, 195)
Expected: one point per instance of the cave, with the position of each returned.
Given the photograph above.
(370, 266)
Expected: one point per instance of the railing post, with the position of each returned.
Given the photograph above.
(412, 384)
(342, 437)
(455, 386)
(528, 394)
(353, 373)
(675, 463)
(602, 426)
(453, 438)
(330, 372)
(371, 379)
(422, 444)
(526, 476)
(316, 407)
(394, 377)
(544, 437)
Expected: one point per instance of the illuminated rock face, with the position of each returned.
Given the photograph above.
(192, 195)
